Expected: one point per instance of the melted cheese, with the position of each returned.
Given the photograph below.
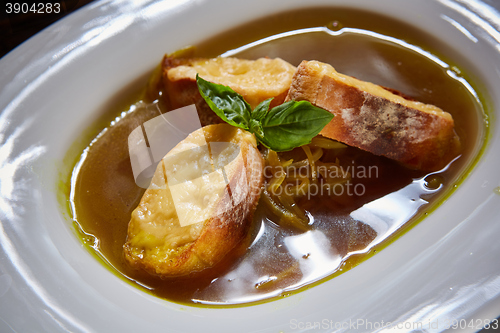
(255, 80)
(202, 179)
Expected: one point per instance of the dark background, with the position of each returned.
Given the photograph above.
(16, 28)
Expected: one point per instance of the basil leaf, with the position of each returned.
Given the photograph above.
(286, 126)
(293, 124)
(225, 102)
(260, 110)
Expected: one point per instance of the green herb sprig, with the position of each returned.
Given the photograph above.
(284, 127)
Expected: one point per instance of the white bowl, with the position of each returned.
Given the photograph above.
(444, 269)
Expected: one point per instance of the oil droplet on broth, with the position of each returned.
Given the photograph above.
(433, 182)
(334, 25)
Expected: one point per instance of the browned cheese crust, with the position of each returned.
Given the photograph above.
(374, 119)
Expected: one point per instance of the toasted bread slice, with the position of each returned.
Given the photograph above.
(256, 80)
(199, 205)
(370, 117)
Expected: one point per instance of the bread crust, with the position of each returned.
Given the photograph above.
(183, 92)
(374, 119)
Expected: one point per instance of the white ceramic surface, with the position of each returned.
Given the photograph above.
(445, 268)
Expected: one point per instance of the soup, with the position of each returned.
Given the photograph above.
(346, 225)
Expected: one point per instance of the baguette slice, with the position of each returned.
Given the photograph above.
(372, 118)
(256, 80)
(200, 203)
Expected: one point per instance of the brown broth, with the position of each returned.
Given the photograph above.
(345, 229)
